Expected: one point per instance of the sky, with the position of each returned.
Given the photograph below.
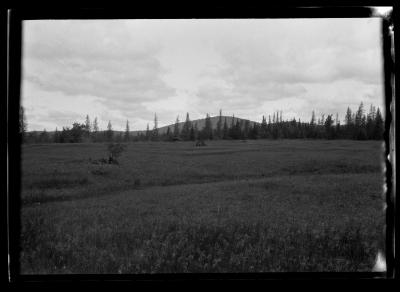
(119, 70)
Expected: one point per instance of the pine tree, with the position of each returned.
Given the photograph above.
(312, 122)
(360, 123)
(22, 124)
(95, 130)
(246, 129)
(379, 126)
(56, 137)
(95, 125)
(208, 128)
(176, 128)
(328, 127)
(192, 135)
(225, 131)
(127, 135)
(154, 134)
(263, 127)
(168, 135)
(186, 128)
(147, 132)
(219, 125)
(370, 124)
(44, 137)
(110, 132)
(349, 123)
(88, 127)
(237, 130)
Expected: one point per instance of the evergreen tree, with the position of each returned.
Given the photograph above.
(263, 128)
(154, 134)
(254, 132)
(169, 134)
(328, 127)
(312, 122)
(88, 128)
(22, 124)
(360, 123)
(95, 130)
(219, 133)
(147, 132)
(110, 133)
(232, 128)
(56, 138)
(208, 132)
(246, 129)
(196, 131)
(225, 131)
(379, 126)
(349, 123)
(370, 124)
(127, 135)
(192, 135)
(186, 128)
(176, 128)
(44, 137)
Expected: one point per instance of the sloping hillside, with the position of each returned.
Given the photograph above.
(200, 124)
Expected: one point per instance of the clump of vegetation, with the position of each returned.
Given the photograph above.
(137, 182)
(114, 152)
(201, 143)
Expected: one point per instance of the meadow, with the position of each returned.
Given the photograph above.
(232, 206)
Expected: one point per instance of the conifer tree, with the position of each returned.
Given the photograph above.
(219, 125)
(110, 133)
(379, 126)
(95, 130)
(263, 127)
(192, 135)
(225, 131)
(186, 128)
(176, 128)
(56, 138)
(22, 124)
(148, 134)
(88, 127)
(208, 128)
(127, 135)
(154, 134)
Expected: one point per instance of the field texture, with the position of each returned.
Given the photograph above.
(232, 206)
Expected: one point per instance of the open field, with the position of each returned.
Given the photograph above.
(232, 206)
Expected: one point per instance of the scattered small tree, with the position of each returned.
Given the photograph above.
(126, 136)
(114, 152)
(109, 133)
(22, 123)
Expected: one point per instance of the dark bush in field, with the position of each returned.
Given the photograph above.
(114, 152)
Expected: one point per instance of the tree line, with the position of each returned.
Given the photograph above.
(358, 125)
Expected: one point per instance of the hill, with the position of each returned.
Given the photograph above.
(200, 124)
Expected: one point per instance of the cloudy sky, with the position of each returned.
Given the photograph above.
(131, 69)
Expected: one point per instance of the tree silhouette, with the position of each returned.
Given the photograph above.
(127, 136)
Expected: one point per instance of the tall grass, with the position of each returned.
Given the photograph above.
(260, 206)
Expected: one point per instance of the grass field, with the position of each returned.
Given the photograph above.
(232, 206)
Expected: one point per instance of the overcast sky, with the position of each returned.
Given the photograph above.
(130, 69)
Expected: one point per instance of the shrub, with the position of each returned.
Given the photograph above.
(114, 151)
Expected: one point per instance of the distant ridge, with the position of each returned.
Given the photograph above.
(200, 124)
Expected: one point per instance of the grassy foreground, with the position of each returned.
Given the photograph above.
(259, 206)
